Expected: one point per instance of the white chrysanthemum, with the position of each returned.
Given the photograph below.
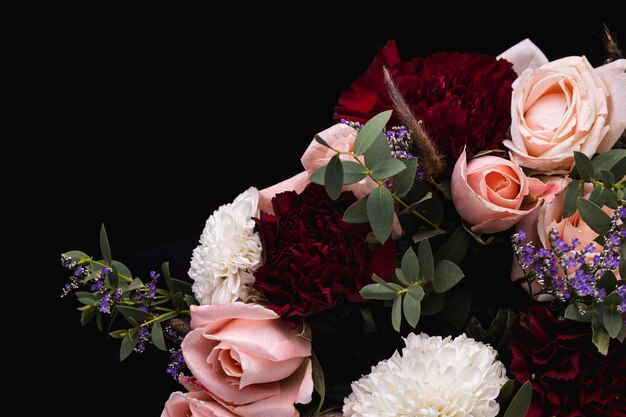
(433, 378)
(229, 251)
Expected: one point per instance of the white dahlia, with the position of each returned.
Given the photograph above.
(433, 378)
(229, 252)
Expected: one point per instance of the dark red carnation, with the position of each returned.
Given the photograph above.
(313, 260)
(462, 98)
(569, 376)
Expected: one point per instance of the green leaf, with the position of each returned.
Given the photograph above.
(352, 172)
(609, 197)
(600, 336)
(572, 312)
(416, 291)
(182, 286)
(390, 285)
(104, 246)
(318, 381)
(612, 322)
(410, 266)
(167, 277)
(596, 219)
(433, 304)
(458, 305)
(157, 337)
(427, 234)
(179, 301)
(622, 265)
(333, 178)
(455, 247)
(357, 212)
(113, 278)
(77, 256)
(607, 177)
(574, 190)
(322, 142)
(387, 168)
(370, 131)
(596, 196)
(583, 166)
(447, 275)
(89, 301)
(412, 307)
(400, 276)
(506, 392)
(416, 204)
(191, 300)
(127, 346)
(134, 285)
(612, 300)
(396, 313)
(368, 323)
(378, 151)
(607, 160)
(121, 269)
(521, 402)
(135, 313)
(608, 282)
(377, 292)
(87, 315)
(380, 213)
(118, 334)
(426, 260)
(318, 176)
(619, 170)
(403, 181)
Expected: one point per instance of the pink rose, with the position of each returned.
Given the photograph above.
(195, 404)
(493, 193)
(565, 106)
(248, 359)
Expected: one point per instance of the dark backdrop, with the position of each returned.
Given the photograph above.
(160, 121)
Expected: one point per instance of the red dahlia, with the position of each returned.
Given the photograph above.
(462, 98)
(570, 378)
(312, 259)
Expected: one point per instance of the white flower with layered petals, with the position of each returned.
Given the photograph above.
(229, 252)
(433, 377)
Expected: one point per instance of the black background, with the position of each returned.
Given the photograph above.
(144, 108)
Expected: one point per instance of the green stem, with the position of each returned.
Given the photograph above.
(124, 277)
(162, 317)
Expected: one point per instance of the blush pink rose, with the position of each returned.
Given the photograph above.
(248, 359)
(194, 404)
(493, 193)
(566, 106)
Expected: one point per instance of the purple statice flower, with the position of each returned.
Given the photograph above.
(67, 262)
(612, 261)
(613, 240)
(117, 295)
(583, 283)
(544, 253)
(177, 363)
(400, 142)
(355, 125)
(575, 243)
(143, 336)
(590, 248)
(621, 212)
(98, 285)
(79, 271)
(621, 290)
(526, 255)
(600, 294)
(571, 262)
(105, 271)
(105, 304)
(519, 237)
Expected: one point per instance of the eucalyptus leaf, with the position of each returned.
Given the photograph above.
(424, 234)
(378, 151)
(322, 142)
(357, 212)
(179, 301)
(609, 197)
(612, 322)
(387, 168)
(600, 336)
(619, 170)
(167, 277)
(415, 205)
(521, 402)
(506, 392)
(594, 217)
(118, 334)
(412, 308)
(191, 300)
(113, 278)
(596, 196)
(121, 269)
(390, 285)
(396, 313)
(135, 313)
(455, 247)
(370, 131)
(400, 276)
(377, 292)
(352, 172)
(77, 256)
(574, 190)
(612, 300)
(89, 301)
(410, 266)
(583, 166)
(333, 177)
(608, 282)
(380, 213)
(87, 315)
(403, 181)
(572, 312)
(318, 381)
(608, 159)
(104, 246)
(318, 176)
(128, 345)
(157, 337)
(136, 284)
(607, 177)
(182, 286)
(447, 275)
(426, 260)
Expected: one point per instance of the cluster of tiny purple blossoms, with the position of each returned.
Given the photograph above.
(570, 271)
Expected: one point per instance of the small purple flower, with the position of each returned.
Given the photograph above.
(621, 212)
(590, 248)
(154, 276)
(543, 253)
(79, 271)
(105, 304)
(106, 270)
(176, 365)
(98, 285)
(519, 237)
(117, 295)
(614, 239)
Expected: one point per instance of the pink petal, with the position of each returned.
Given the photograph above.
(216, 316)
(296, 183)
(176, 405)
(614, 79)
(524, 55)
(340, 137)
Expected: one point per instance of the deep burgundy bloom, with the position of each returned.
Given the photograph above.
(462, 98)
(570, 378)
(312, 259)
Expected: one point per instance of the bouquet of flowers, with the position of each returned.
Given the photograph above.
(438, 172)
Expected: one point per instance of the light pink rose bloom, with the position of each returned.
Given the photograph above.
(195, 404)
(564, 106)
(248, 359)
(493, 193)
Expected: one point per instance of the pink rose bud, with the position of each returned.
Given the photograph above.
(493, 193)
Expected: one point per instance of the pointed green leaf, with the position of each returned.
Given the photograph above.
(412, 308)
(521, 402)
(191, 301)
(572, 312)
(403, 181)
(370, 131)
(77, 256)
(596, 196)
(596, 219)
(181, 286)
(357, 212)
(333, 178)
(127, 346)
(380, 213)
(426, 261)
(424, 234)
(390, 285)
(387, 168)
(135, 313)
(607, 177)
(396, 313)
(410, 266)
(113, 278)
(318, 381)
(455, 247)
(583, 166)
(600, 337)
(157, 336)
(87, 315)
(322, 142)
(179, 301)
(607, 282)
(607, 160)
(377, 292)
(118, 334)
(352, 172)
(619, 170)
(104, 245)
(136, 284)
(400, 276)
(167, 277)
(612, 322)
(447, 275)
(415, 205)
(318, 176)
(505, 392)
(378, 151)
(573, 191)
(612, 300)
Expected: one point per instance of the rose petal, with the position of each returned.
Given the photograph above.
(214, 315)
(524, 55)
(296, 183)
(340, 136)
(614, 79)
